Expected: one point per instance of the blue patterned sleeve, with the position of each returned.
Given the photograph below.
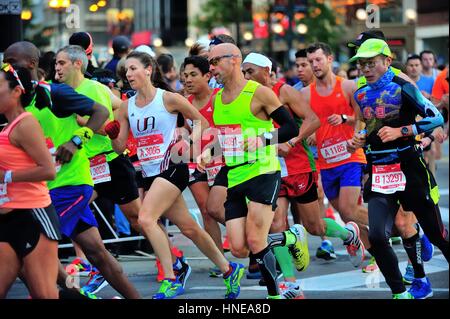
(431, 117)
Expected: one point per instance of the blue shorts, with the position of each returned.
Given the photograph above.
(72, 205)
(346, 175)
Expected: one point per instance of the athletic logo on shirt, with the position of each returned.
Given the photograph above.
(145, 125)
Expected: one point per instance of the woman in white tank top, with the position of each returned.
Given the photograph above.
(152, 117)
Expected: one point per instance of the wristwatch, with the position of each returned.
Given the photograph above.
(77, 141)
(404, 130)
(344, 118)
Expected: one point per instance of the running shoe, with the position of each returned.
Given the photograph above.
(226, 244)
(160, 275)
(291, 290)
(253, 274)
(371, 266)
(215, 272)
(404, 295)
(355, 247)
(88, 294)
(183, 274)
(326, 251)
(421, 288)
(427, 248)
(80, 266)
(169, 289)
(299, 250)
(408, 277)
(233, 281)
(95, 283)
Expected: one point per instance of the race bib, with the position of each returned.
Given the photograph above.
(211, 173)
(334, 150)
(52, 149)
(137, 166)
(231, 140)
(149, 149)
(100, 169)
(388, 179)
(3, 197)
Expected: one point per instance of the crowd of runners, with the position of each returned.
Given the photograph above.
(250, 145)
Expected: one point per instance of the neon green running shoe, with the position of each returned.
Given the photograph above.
(299, 250)
(169, 289)
(403, 295)
(233, 281)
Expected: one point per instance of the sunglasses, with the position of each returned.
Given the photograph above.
(6, 67)
(214, 61)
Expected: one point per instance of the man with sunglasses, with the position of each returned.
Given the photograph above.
(388, 105)
(243, 112)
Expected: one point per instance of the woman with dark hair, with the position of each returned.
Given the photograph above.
(29, 227)
(152, 116)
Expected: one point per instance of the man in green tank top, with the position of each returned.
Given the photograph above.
(243, 112)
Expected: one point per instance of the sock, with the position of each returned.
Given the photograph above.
(413, 248)
(335, 230)
(177, 264)
(284, 258)
(229, 271)
(267, 266)
(285, 238)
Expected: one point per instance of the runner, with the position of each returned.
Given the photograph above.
(29, 227)
(113, 174)
(152, 116)
(341, 172)
(391, 150)
(71, 190)
(197, 76)
(243, 109)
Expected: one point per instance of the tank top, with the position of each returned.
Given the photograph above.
(154, 129)
(300, 159)
(19, 195)
(236, 123)
(332, 140)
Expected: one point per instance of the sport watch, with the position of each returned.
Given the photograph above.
(344, 118)
(404, 130)
(77, 141)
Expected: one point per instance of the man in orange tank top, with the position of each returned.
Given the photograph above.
(331, 99)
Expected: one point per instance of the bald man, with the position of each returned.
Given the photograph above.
(243, 112)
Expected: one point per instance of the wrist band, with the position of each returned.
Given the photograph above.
(8, 177)
(85, 133)
(290, 143)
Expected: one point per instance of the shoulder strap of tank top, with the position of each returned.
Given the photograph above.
(277, 88)
(16, 121)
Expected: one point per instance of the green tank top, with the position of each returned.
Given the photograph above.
(236, 123)
(99, 144)
(362, 79)
(59, 131)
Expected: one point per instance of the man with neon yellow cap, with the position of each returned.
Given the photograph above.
(388, 105)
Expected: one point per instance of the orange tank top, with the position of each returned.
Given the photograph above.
(19, 195)
(332, 140)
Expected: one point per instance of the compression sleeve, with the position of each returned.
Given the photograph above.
(288, 128)
(431, 117)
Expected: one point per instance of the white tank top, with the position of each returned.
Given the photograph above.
(153, 127)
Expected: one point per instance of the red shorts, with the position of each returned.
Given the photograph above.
(298, 184)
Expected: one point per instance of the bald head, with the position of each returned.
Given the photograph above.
(23, 53)
(226, 49)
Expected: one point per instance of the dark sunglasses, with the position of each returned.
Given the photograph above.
(214, 61)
